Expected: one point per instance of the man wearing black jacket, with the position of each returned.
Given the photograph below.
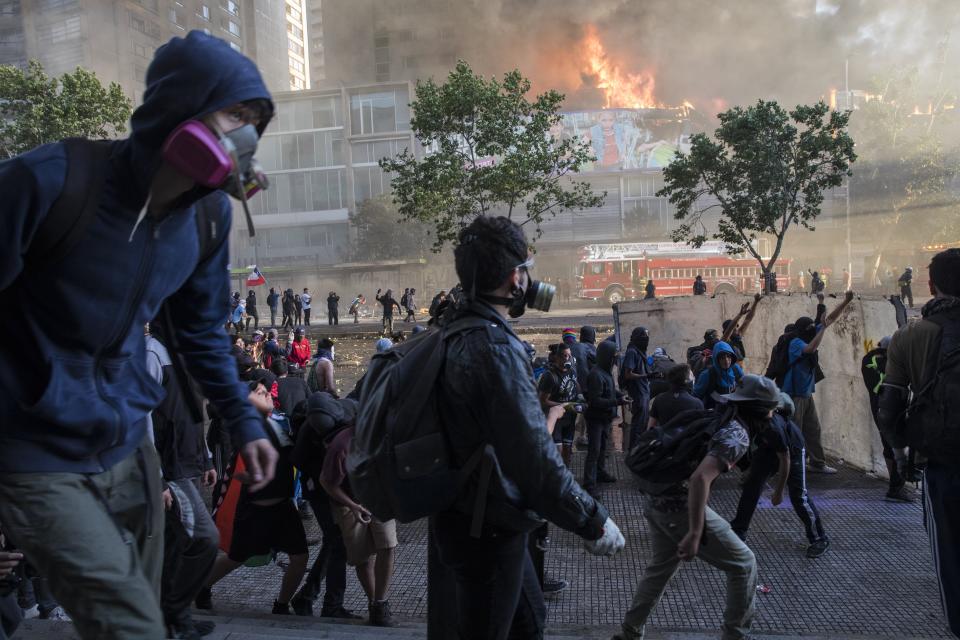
(326, 416)
(529, 480)
(603, 400)
(190, 536)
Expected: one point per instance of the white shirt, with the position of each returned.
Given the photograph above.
(305, 299)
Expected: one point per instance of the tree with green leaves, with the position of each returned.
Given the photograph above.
(489, 151)
(903, 195)
(380, 236)
(765, 172)
(36, 109)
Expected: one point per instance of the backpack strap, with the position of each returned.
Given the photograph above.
(76, 207)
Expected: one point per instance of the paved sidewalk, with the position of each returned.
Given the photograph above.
(876, 581)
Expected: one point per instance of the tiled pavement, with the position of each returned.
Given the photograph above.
(876, 580)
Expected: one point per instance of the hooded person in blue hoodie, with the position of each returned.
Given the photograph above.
(720, 377)
(79, 478)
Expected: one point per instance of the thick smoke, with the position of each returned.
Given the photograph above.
(713, 53)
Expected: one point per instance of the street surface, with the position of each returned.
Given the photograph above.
(875, 581)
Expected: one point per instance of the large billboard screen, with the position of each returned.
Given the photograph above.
(625, 139)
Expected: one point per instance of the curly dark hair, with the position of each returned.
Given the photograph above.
(488, 249)
(945, 272)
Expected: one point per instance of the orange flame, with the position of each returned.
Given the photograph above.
(625, 90)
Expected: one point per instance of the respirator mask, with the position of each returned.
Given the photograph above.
(535, 295)
(218, 160)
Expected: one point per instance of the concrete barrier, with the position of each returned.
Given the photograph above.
(842, 402)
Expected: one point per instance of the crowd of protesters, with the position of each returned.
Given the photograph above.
(147, 404)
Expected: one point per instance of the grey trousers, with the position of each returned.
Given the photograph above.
(805, 415)
(98, 539)
(719, 547)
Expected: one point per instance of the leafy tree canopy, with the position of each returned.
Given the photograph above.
(36, 109)
(489, 151)
(765, 172)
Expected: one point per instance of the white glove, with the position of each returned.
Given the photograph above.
(609, 543)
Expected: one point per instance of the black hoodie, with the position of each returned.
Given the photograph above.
(602, 397)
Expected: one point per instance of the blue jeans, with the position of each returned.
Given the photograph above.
(941, 505)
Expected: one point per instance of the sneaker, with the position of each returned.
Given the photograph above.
(31, 613)
(552, 587)
(818, 548)
(204, 599)
(57, 613)
(605, 477)
(825, 469)
(340, 613)
(380, 614)
(302, 606)
(900, 494)
(280, 608)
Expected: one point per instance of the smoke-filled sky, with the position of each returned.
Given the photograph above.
(713, 52)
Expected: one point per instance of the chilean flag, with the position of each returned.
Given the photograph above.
(255, 278)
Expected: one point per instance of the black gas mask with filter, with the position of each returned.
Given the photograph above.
(528, 294)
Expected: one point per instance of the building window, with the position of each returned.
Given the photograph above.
(233, 7)
(296, 65)
(148, 4)
(174, 19)
(140, 51)
(205, 12)
(294, 47)
(61, 31)
(233, 28)
(54, 5)
(294, 13)
(296, 83)
(236, 47)
(147, 28)
(10, 8)
(379, 112)
(381, 40)
(294, 30)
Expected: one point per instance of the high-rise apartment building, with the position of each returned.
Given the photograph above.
(315, 46)
(117, 38)
(299, 69)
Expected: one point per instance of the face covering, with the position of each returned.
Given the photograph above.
(536, 295)
(247, 177)
(641, 340)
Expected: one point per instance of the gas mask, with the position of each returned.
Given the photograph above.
(535, 295)
(218, 160)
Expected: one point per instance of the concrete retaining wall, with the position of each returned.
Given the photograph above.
(842, 402)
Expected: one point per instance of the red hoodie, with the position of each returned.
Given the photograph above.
(300, 352)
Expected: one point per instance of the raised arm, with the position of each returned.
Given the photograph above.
(750, 314)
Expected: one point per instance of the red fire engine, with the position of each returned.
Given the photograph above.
(617, 272)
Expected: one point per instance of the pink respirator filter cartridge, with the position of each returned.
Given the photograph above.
(193, 150)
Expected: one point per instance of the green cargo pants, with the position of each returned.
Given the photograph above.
(720, 547)
(98, 539)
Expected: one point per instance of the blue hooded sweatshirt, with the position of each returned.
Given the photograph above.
(76, 390)
(716, 379)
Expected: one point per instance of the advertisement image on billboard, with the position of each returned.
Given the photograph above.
(625, 139)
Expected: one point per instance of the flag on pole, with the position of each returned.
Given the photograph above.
(255, 278)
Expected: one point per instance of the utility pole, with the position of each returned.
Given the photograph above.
(846, 83)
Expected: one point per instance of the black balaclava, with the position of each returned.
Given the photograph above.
(640, 338)
(806, 328)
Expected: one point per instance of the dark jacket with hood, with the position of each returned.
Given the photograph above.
(715, 379)
(76, 401)
(602, 396)
(326, 416)
(585, 353)
(487, 395)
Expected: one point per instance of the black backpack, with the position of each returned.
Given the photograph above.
(779, 362)
(668, 454)
(933, 417)
(399, 465)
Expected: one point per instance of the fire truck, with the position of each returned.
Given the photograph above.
(615, 272)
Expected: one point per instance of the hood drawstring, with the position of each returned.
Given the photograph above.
(143, 214)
